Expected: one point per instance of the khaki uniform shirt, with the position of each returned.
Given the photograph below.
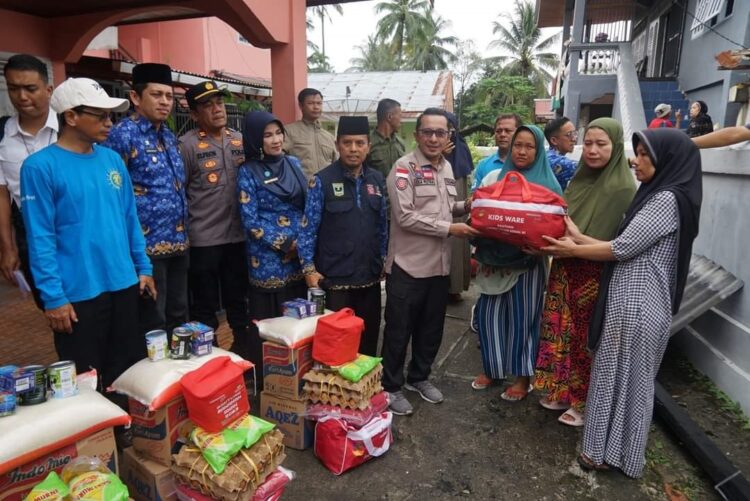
(314, 146)
(211, 167)
(423, 203)
(384, 151)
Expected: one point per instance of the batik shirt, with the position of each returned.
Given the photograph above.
(158, 176)
(562, 167)
(272, 226)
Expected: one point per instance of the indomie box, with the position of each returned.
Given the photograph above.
(289, 416)
(17, 483)
(156, 433)
(283, 368)
(147, 480)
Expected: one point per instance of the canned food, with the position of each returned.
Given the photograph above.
(156, 345)
(37, 392)
(7, 403)
(181, 338)
(62, 379)
(317, 296)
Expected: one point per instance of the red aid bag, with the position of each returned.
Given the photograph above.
(336, 340)
(517, 212)
(341, 446)
(215, 394)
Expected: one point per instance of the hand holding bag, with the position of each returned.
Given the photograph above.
(517, 212)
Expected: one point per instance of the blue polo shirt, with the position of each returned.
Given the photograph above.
(484, 167)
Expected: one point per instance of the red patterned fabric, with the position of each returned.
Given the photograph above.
(564, 363)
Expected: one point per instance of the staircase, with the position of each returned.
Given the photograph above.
(654, 92)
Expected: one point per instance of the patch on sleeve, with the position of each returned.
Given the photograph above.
(402, 172)
(401, 183)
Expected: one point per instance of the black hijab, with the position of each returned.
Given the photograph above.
(678, 169)
(460, 157)
(701, 124)
(276, 173)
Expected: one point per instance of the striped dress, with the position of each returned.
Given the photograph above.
(634, 337)
(509, 325)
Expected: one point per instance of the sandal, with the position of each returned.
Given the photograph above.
(571, 417)
(588, 464)
(553, 405)
(481, 382)
(514, 395)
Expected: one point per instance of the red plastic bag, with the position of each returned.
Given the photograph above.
(341, 446)
(517, 212)
(215, 394)
(336, 340)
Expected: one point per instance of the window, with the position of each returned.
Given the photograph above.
(707, 13)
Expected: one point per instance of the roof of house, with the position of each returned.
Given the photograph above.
(359, 92)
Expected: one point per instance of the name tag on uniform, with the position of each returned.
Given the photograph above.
(270, 180)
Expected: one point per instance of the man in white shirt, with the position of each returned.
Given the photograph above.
(35, 127)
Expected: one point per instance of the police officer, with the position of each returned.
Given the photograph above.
(212, 154)
(423, 193)
(344, 237)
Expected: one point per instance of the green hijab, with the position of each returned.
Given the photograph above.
(598, 198)
(540, 171)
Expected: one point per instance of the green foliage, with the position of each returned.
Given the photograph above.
(318, 62)
(401, 20)
(374, 55)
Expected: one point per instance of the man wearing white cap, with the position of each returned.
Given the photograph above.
(86, 248)
(663, 112)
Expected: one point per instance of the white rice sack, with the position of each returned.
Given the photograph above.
(156, 383)
(36, 430)
(289, 331)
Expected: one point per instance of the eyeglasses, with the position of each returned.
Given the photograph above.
(572, 135)
(103, 117)
(428, 133)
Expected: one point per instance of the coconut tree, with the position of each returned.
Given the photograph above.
(374, 55)
(528, 54)
(323, 13)
(427, 48)
(401, 19)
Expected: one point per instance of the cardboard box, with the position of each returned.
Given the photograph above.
(289, 416)
(283, 368)
(156, 433)
(147, 480)
(17, 483)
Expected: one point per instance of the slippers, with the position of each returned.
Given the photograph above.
(588, 464)
(553, 405)
(481, 382)
(513, 395)
(571, 417)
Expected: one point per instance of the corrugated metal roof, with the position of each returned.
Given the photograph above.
(415, 90)
(708, 284)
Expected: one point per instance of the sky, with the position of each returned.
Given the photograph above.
(471, 19)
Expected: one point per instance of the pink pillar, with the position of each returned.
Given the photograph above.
(289, 65)
(58, 72)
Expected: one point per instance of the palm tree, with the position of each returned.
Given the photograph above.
(401, 19)
(322, 12)
(529, 56)
(374, 55)
(427, 48)
(318, 62)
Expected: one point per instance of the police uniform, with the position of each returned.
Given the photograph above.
(153, 160)
(345, 237)
(217, 242)
(423, 203)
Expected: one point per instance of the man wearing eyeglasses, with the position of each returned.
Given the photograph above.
(423, 194)
(505, 127)
(88, 254)
(561, 135)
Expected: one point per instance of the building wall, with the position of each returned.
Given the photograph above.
(195, 45)
(718, 343)
(698, 68)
